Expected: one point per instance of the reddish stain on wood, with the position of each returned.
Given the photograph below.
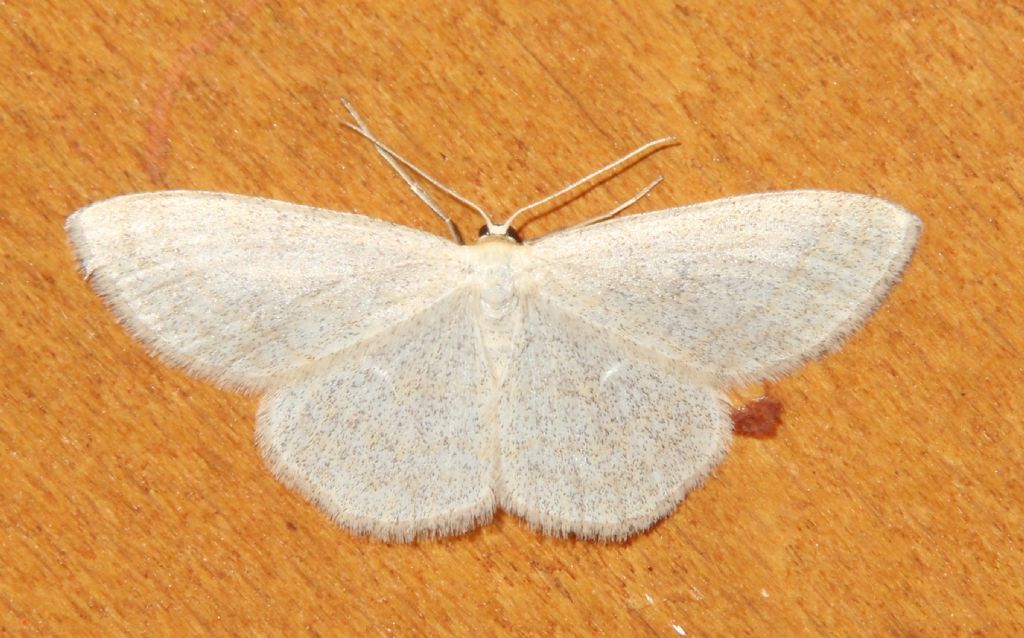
(157, 144)
(760, 418)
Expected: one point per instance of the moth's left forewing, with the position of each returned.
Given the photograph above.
(245, 290)
(737, 289)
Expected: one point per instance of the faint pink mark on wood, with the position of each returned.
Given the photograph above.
(760, 418)
(157, 142)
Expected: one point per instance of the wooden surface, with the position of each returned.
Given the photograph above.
(134, 502)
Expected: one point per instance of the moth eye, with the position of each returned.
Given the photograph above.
(511, 232)
(484, 231)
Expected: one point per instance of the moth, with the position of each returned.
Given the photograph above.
(412, 384)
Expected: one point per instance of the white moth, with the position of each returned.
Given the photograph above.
(413, 384)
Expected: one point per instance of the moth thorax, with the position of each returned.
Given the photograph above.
(498, 299)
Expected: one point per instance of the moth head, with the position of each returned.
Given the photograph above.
(503, 231)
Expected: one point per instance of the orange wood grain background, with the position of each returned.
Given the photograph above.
(134, 502)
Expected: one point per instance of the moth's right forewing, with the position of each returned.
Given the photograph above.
(737, 289)
(244, 290)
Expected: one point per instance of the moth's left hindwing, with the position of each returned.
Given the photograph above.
(391, 438)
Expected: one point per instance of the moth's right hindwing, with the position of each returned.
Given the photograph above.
(597, 439)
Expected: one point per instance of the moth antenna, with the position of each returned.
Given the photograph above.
(410, 182)
(419, 171)
(654, 144)
(613, 212)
